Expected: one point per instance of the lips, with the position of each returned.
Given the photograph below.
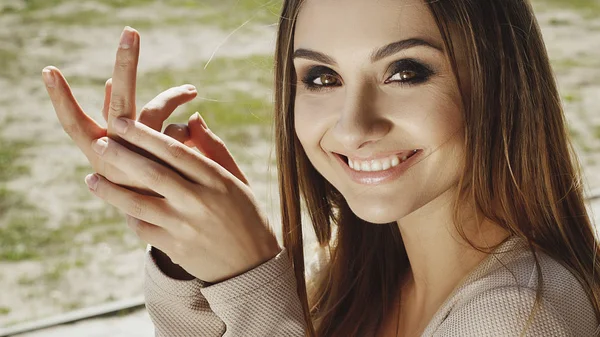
(377, 177)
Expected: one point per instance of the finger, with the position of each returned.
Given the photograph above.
(122, 99)
(76, 123)
(155, 176)
(213, 147)
(147, 208)
(162, 106)
(179, 132)
(154, 235)
(107, 92)
(184, 160)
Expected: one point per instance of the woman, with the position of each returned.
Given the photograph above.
(428, 142)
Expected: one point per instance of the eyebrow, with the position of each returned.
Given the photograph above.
(376, 55)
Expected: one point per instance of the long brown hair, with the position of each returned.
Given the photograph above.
(522, 171)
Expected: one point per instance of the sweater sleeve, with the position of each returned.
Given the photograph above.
(504, 312)
(178, 308)
(261, 302)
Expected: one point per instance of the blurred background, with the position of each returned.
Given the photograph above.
(62, 249)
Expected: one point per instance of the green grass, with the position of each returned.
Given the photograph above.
(596, 132)
(10, 200)
(220, 72)
(583, 5)
(55, 273)
(232, 92)
(559, 22)
(231, 14)
(25, 235)
(26, 281)
(9, 59)
(223, 14)
(10, 153)
(590, 9)
(219, 101)
(571, 97)
(4, 311)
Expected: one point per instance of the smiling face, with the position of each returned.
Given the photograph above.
(373, 81)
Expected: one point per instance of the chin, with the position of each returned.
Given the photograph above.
(378, 215)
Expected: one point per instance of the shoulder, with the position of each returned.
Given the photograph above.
(504, 312)
(502, 300)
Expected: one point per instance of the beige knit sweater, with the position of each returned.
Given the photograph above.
(492, 301)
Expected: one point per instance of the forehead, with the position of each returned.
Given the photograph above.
(338, 25)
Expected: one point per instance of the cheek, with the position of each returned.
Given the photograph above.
(433, 114)
(311, 115)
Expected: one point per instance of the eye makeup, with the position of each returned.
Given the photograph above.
(407, 71)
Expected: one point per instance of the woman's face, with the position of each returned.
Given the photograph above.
(363, 93)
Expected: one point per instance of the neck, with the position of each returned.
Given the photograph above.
(439, 257)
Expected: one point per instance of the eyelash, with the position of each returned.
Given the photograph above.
(422, 74)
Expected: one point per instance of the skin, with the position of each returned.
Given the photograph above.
(196, 206)
(360, 114)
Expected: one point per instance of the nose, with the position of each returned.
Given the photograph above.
(360, 122)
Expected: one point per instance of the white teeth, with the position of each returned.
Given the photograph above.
(376, 165)
(364, 166)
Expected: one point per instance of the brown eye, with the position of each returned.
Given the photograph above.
(405, 75)
(325, 80)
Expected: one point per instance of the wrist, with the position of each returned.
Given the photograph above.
(172, 270)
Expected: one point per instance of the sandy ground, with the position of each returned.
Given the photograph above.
(115, 272)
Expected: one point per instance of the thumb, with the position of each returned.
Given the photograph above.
(212, 146)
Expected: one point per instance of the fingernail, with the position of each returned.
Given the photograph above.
(189, 87)
(48, 78)
(92, 181)
(120, 125)
(99, 146)
(126, 38)
(202, 122)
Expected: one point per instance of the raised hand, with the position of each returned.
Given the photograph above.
(118, 95)
(208, 220)
(155, 112)
(195, 134)
(253, 241)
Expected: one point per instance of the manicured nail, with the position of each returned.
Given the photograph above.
(99, 146)
(92, 181)
(120, 125)
(126, 38)
(49, 78)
